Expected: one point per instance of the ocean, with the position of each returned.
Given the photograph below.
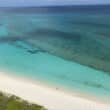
(67, 47)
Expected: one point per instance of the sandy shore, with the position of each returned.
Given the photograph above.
(49, 98)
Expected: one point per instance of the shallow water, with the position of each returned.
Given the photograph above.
(68, 50)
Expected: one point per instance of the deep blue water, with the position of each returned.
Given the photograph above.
(67, 50)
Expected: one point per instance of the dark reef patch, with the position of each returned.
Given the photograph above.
(38, 33)
(35, 51)
(91, 24)
(55, 33)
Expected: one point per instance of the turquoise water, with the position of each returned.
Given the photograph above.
(55, 71)
(65, 50)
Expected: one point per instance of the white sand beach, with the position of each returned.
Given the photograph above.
(47, 97)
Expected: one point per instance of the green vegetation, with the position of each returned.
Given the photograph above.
(10, 102)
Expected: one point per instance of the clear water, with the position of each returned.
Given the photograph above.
(66, 50)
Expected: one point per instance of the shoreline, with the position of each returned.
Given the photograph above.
(54, 87)
(47, 96)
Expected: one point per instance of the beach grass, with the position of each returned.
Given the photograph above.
(11, 102)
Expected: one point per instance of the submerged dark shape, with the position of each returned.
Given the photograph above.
(28, 47)
(32, 51)
(35, 51)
